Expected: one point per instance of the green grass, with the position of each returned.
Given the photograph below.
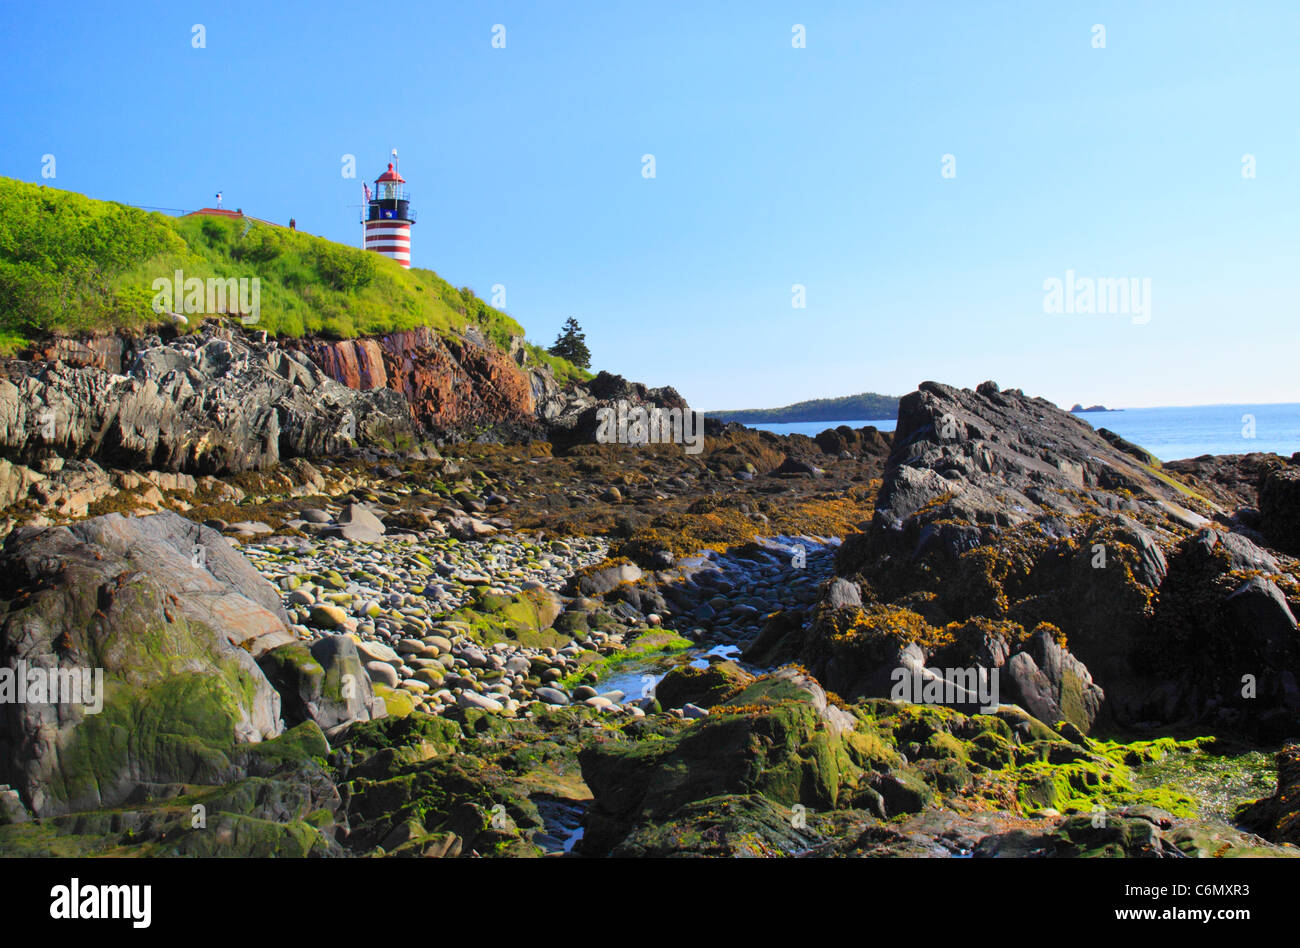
(71, 264)
(564, 371)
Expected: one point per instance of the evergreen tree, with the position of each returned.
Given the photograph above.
(570, 344)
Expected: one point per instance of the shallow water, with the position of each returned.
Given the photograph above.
(562, 825)
(637, 678)
(811, 428)
(1218, 783)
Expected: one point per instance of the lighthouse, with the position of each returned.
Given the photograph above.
(389, 216)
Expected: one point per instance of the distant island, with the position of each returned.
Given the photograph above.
(1077, 408)
(867, 406)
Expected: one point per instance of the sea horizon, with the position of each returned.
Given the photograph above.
(1170, 432)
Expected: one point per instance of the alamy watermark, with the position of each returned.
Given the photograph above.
(1098, 296)
(79, 901)
(36, 684)
(179, 294)
(946, 686)
(636, 424)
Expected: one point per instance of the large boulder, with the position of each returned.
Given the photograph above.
(1051, 684)
(702, 687)
(524, 618)
(358, 524)
(162, 624)
(326, 683)
(602, 579)
(772, 742)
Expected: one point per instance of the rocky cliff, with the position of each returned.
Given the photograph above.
(222, 400)
(448, 381)
(214, 402)
(454, 383)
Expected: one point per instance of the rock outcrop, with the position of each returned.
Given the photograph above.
(164, 622)
(223, 401)
(449, 381)
(1005, 528)
(212, 403)
(991, 458)
(1230, 480)
(571, 415)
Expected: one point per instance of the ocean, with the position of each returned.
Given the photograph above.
(1169, 433)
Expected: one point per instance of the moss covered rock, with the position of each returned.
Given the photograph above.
(325, 682)
(703, 687)
(157, 611)
(525, 618)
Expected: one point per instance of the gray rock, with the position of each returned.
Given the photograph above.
(474, 657)
(254, 528)
(211, 402)
(133, 598)
(844, 594)
(470, 699)
(1051, 684)
(382, 673)
(606, 580)
(357, 524)
(11, 807)
(984, 456)
(378, 652)
(361, 516)
(325, 683)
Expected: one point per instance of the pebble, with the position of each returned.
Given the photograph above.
(382, 672)
(395, 594)
(328, 617)
(469, 699)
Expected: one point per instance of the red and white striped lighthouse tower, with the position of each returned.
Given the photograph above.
(389, 216)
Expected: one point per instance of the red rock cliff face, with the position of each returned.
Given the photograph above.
(446, 382)
(357, 363)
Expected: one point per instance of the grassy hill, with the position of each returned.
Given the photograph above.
(71, 264)
(867, 406)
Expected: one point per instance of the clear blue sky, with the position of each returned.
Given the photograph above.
(775, 166)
